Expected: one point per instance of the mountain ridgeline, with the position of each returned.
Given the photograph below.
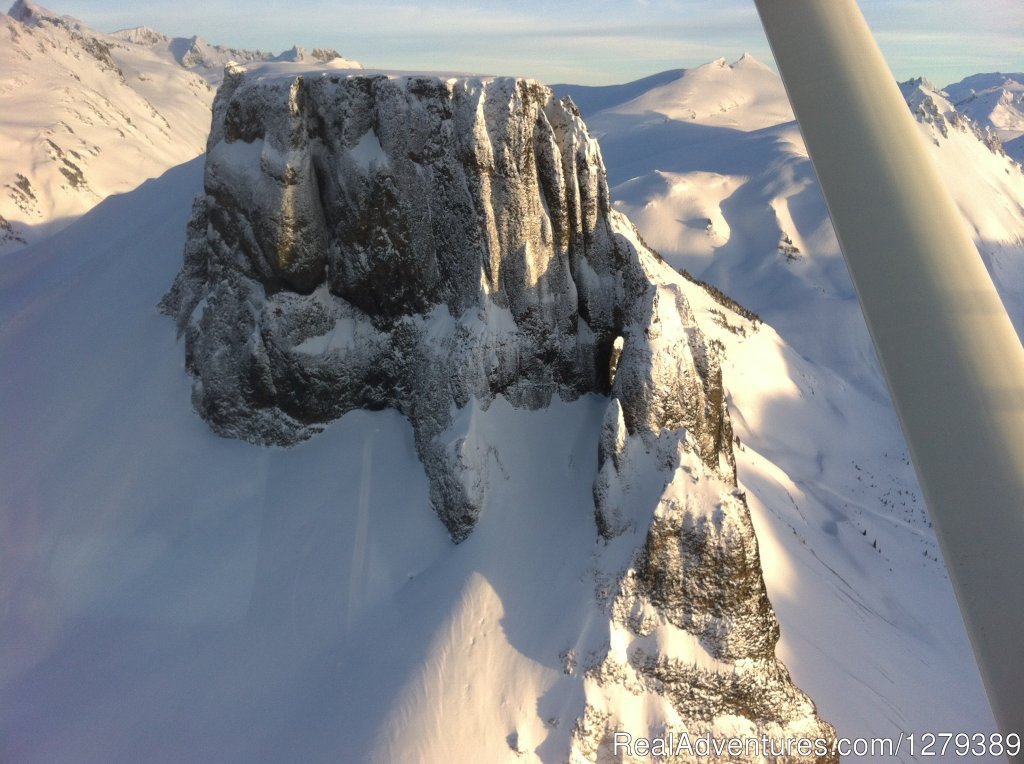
(427, 244)
(85, 114)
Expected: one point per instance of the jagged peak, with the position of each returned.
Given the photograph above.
(30, 13)
(920, 89)
(141, 35)
(294, 53)
(750, 60)
(933, 106)
(325, 54)
(298, 54)
(745, 62)
(920, 82)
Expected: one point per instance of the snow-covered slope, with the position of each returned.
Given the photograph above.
(866, 611)
(174, 596)
(84, 116)
(986, 183)
(994, 100)
(744, 95)
(208, 60)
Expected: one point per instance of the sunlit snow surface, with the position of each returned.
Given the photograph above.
(869, 624)
(167, 595)
(84, 115)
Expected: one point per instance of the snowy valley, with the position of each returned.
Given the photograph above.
(251, 404)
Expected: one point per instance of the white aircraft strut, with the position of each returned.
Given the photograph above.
(953, 361)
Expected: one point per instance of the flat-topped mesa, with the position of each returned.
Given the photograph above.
(456, 231)
(427, 243)
(403, 193)
(419, 241)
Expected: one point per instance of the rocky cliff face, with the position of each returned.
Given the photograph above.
(409, 243)
(417, 242)
(931, 106)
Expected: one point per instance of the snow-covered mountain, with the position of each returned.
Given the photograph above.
(208, 60)
(744, 95)
(564, 417)
(442, 247)
(84, 115)
(167, 594)
(823, 461)
(994, 100)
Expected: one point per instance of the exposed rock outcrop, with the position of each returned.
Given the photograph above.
(428, 244)
(931, 106)
(367, 241)
(691, 630)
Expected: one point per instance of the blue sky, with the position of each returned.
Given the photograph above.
(595, 42)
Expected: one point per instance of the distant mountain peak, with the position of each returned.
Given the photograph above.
(96, 115)
(932, 106)
(141, 35)
(208, 59)
(994, 100)
(31, 13)
(298, 54)
(921, 90)
(922, 83)
(749, 59)
(294, 53)
(745, 95)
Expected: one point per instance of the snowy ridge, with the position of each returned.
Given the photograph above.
(994, 100)
(932, 106)
(744, 95)
(83, 116)
(990, 196)
(839, 516)
(208, 60)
